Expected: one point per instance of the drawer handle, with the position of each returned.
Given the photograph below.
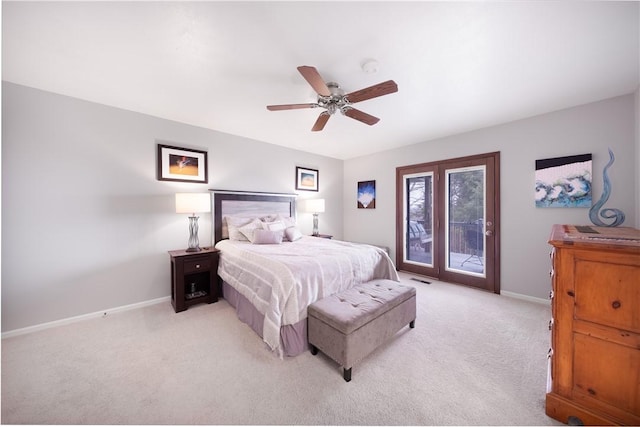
(197, 265)
(616, 304)
(571, 293)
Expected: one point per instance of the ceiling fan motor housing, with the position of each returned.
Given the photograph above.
(336, 101)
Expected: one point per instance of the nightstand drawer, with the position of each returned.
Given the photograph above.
(197, 265)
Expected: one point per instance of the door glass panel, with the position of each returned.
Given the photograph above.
(465, 234)
(418, 214)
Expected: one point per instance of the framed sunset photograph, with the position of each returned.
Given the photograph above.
(306, 179)
(182, 164)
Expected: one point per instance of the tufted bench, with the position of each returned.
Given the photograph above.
(349, 325)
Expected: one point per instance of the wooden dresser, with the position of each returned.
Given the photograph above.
(594, 371)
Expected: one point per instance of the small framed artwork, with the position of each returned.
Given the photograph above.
(182, 164)
(366, 195)
(306, 179)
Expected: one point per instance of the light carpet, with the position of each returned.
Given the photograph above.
(474, 358)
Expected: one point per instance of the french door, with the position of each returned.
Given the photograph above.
(447, 220)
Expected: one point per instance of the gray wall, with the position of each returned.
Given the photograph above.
(85, 224)
(525, 229)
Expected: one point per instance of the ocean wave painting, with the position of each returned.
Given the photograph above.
(564, 182)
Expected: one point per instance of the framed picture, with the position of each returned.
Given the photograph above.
(563, 182)
(182, 164)
(366, 195)
(306, 179)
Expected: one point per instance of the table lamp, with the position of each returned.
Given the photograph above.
(315, 206)
(193, 203)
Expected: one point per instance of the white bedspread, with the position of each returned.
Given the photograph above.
(282, 280)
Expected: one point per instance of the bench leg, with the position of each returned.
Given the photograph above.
(347, 374)
(412, 324)
(314, 349)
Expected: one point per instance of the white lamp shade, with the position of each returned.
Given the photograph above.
(193, 202)
(314, 205)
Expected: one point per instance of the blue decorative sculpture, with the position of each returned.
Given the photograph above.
(617, 214)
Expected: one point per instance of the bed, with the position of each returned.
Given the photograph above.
(271, 283)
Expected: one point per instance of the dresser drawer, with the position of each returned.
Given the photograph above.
(607, 294)
(606, 373)
(195, 265)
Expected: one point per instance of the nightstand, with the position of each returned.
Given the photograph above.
(194, 278)
(324, 236)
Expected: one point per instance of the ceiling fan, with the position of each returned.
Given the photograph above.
(332, 98)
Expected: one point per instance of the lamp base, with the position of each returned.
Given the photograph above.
(315, 225)
(194, 243)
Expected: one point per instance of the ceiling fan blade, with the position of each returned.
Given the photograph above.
(290, 106)
(374, 91)
(312, 76)
(361, 116)
(323, 118)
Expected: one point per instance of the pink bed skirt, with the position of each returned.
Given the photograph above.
(293, 338)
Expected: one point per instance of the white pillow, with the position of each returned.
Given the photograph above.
(269, 218)
(267, 237)
(289, 221)
(292, 234)
(233, 225)
(248, 229)
(274, 226)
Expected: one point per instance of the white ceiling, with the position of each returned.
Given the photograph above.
(459, 66)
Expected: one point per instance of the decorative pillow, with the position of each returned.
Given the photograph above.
(292, 233)
(248, 230)
(274, 226)
(288, 220)
(233, 225)
(269, 218)
(267, 237)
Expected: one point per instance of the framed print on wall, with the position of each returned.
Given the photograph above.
(366, 195)
(563, 182)
(182, 164)
(306, 179)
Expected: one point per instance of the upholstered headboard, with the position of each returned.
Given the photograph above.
(247, 204)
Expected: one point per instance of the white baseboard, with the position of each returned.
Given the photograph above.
(525, 297)
(42, 326)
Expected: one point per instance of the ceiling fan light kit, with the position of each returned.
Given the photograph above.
(332, 98)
